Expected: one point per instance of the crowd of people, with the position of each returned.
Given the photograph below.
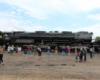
(80, 54)
(11, 49)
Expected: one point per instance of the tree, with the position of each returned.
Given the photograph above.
(97, 38)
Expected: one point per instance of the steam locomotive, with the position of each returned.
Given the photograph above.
(43, 38)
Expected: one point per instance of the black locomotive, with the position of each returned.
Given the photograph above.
(46, 38)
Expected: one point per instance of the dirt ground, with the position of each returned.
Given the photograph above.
(51, 67)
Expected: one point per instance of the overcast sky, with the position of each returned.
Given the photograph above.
(50, 15)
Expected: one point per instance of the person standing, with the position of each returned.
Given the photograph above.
(56, 50)
(68, 50)
(4, 48)
(91, 53)
(1, 55)
(81, 55)
(84, 53)
(93, 50)
(11, 49)
(39, 53)
(48, 50)
(19, 49)
(63, 51)
(29, 50)
(8, 49)
(77, 56)
(16, 49)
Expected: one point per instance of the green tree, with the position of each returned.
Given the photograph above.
(97, 38)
